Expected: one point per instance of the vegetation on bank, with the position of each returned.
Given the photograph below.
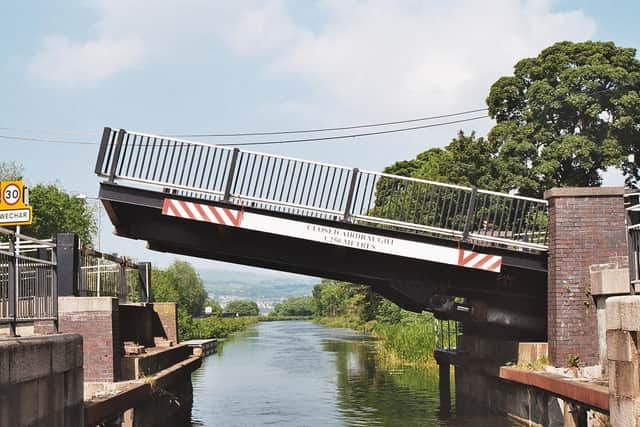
(404, 338)
(180, 283)
(242, 307)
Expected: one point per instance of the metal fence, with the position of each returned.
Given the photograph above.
(447, 333)
(103, 274)
(284, 184)
(28, 285)
(632, 205)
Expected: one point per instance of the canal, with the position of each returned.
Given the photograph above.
(303, 374)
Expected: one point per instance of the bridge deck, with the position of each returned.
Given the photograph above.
(318, 190)
(409, 239)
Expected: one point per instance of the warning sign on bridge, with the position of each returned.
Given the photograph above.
(338, 236)
(14, 204)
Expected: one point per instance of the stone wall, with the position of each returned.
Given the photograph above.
(586, 228)
(623, 325)
(41, 381)
(96, 319)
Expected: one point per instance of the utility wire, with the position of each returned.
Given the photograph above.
(14, 138)
(369, 125)
(53, 141)
(356, 135)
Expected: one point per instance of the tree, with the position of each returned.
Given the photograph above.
(10, 171)
(295, 306)
(243, 308)
(55, 211)
(565, 116)
(181, 284)
(216, 309)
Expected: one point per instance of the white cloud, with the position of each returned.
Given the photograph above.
(67, 63)
(416, 56)
(374, 59)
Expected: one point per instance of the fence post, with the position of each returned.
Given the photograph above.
(104, 142)
(352, 186)
(12, 285)
(68, 260)
(144, 281)
(116, 155)
(122, 281)
(232, 171)
(470, 211)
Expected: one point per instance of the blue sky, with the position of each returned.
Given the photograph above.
(69, 68)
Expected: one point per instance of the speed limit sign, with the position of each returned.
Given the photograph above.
(14, 207)
(11, 194)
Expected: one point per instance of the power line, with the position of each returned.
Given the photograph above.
(356, 135)
(53, 141)
(369, 125)
(11, 138)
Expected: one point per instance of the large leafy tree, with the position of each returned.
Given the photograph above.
(467, 160)
(565, 116)
(180, 283)
(55, 211)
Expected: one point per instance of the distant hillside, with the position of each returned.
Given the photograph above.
(256, 285)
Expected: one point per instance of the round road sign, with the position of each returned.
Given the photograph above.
(11, 194)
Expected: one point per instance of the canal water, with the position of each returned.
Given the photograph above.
(303, 374)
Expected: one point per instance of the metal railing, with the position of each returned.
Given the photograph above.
(28, 285)
(107, 275)
(632, 210)
(301, 187)
(447, 333)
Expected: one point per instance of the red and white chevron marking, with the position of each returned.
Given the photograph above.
(200, 212)
(479, 261)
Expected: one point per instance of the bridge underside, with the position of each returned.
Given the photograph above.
(416, 285)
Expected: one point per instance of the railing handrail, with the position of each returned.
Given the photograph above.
(243, 176)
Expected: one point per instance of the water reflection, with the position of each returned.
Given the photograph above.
(302, 374)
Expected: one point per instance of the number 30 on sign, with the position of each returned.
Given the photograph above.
(14, 208)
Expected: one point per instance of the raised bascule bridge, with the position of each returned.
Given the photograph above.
(462, 253)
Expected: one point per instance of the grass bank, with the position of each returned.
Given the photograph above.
(410, 342)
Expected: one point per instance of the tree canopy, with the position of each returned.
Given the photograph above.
(55, 211)
(295, 306)
(467, 160)
(565, 116)
(180, 283)
(242, 307)
(10, 171)
(562, 118)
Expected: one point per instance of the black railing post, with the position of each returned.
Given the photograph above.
(116, 155)
(122, 281)
(13, 288)
(144, 281)
(470, 211)
(68, 263)
(352, 187)
(102, 152)
(230, 176)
